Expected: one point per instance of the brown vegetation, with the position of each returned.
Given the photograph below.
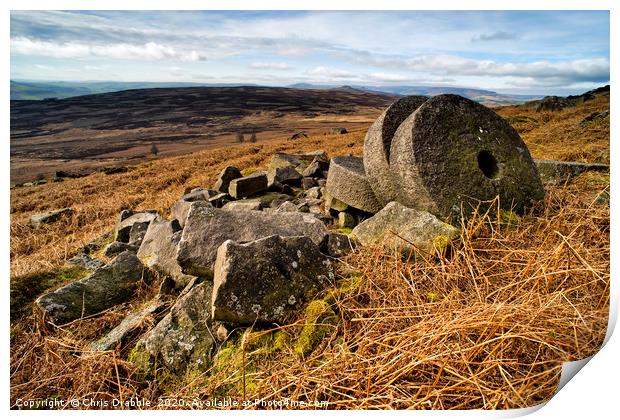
(484, 326)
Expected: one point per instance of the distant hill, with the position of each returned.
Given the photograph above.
(30, 90)
(486, 97)
(557, 103)
(116, 126)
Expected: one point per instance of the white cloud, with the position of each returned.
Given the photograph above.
(389, 77)
(327, 72)
(270, 65)
(596, 69)
(148, 51)
(495, 36)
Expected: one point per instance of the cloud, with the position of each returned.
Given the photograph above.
(270, 65)
(495, 36)
(571, 71)
(389, 77)
(147, 51)
(327, 72)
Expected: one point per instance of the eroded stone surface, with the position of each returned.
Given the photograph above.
(556, 172)
(207, 228)
(159, 250)
(404, 229)
(377, 146)
(263, 280)
(223, 180)
(453, 151)
(347, 182)
(106, 287)
(39, 219)
(182, 339)
(248, 185)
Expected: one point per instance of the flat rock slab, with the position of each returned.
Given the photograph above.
(247, 204)
(286, 175)
(36, 220)
(264, 280)
(338, 245)
(85, 261)
(316, 168)
(128, 327)
(378, 143)
(159, 250)
(124, 227)
(298, 162)
(180, 208)
(453, 152)
(223, 180)
(248, 185)
(347, 182)
(557, 172)
(106, 287)
(207, 228)
(183, 338)
(269, 199)
(402, 228)
(115, 248)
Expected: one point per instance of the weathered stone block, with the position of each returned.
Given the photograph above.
(264, 280)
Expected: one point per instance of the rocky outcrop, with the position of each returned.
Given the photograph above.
(137, 223)
(223, 180)
(207, 228)
(159, 250)
(106, 287)
(556, 172)
(115, 248)
(286, 175)
(248, 185)
(297, 162)
(338, 245)
(347, 182)
(182, 339)
(405, 229)
(260, 281)
(36, 220)
(128, 327)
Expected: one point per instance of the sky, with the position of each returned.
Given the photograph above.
(537, 52)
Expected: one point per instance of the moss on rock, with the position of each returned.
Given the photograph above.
(507, 217)
(320, 319)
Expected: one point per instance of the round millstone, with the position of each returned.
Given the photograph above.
(454, 152)
(378, 143)
(347, 182)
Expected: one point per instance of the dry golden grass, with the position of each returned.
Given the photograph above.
(486, 326)
(560, 135)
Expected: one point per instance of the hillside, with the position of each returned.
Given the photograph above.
(485, 97)
(86, 132)
(37, 90)
(484, 327)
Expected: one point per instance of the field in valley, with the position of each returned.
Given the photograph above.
(84, 133)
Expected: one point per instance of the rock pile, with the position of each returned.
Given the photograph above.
(255, 248)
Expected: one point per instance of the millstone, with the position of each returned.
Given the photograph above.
(377, 146)
(452, 150)
(347, 182)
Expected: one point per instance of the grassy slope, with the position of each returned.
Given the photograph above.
(505, 321)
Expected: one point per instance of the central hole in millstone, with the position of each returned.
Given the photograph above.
(488, 164)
